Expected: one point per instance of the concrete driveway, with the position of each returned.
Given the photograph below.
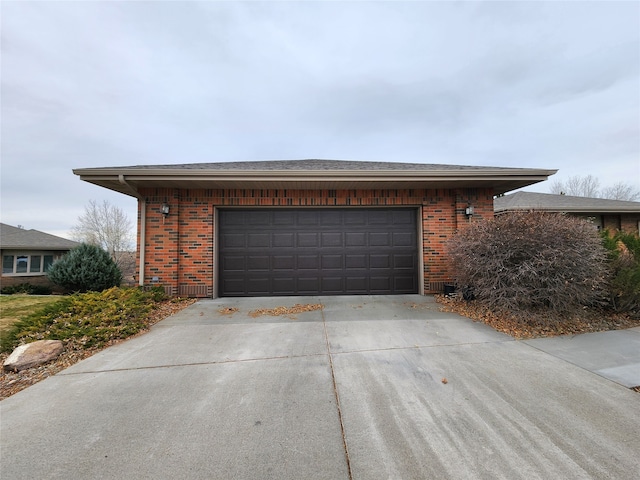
(367, 388)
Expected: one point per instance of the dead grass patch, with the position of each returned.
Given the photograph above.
(14, 307)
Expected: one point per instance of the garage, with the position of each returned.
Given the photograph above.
(304, 227)
(317, 251)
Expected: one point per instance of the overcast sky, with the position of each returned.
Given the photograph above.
(510, 84)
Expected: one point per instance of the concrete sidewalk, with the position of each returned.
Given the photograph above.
(367, 388)
(614, 355)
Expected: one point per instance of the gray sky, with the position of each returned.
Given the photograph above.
(512, 84)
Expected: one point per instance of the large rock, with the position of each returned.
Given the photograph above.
(32, 355)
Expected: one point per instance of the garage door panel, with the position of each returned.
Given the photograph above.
(379, 284)
(308, 262)
(331, 217)
(284, 217)
(355, 261)
(308, 286)
(332, 239)
(283, 239)
(355, 239)
(283, 262)
(405, 283)
(317, 251)
(379, 261)
(380, 239)
(258, 286)
(258, 240)
(308, 240)
(233, 240)
(257, 219)
(333, 285)
(234, 286)
(403, 239)
(379, 217)
(331, 262)
(404, 262)
(234, 263)
(357, 284)
(403, 217)
(258, 263)
(286, 285)
(308, 218)
(354, 217)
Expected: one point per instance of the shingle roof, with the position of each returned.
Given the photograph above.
(13, 237)
(310, 174)
(561, 203)
(312, 165)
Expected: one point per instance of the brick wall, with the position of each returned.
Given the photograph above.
(37, 280)
(630, 223)
(180, 247)
(626, 222)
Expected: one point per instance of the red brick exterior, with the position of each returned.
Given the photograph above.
(630, 223)
(179, 249)
(626, 222)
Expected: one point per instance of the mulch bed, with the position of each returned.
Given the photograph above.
(13, 382)
(523, 326)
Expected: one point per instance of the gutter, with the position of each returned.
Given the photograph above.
(143, 225)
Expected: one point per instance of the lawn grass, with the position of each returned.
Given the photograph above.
(15, 307)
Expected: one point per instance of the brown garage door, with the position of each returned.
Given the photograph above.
(317, 252)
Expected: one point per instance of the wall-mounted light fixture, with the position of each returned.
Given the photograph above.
(469, 211)
(165, 209)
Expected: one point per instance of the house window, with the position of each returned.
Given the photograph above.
(7, 264)
(21, 263)
(35, 264)
(26, 264)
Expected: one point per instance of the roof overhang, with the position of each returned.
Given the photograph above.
(130, 180)
(587, 211)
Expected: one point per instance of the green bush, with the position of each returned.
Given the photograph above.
(86, 268)
(87, 319)
(26, 288)
(624, 286)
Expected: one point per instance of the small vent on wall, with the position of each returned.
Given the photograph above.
(194, 291)
(437, 287)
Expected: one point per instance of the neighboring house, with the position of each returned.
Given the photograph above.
(27, 254)
(606, 214)
(303, 227)
(127, 263)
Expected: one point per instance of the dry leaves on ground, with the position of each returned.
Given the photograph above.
(13, 382)
(227, 310)
(524, 326)
(278, 311)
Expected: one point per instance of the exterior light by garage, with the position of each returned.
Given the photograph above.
(469, 211)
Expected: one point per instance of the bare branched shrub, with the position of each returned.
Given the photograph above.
(528, 261)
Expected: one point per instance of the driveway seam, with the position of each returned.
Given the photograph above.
(337, 397)
(411, 347)
(192, 364)
(279, 357)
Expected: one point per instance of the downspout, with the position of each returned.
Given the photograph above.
(143, 225)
